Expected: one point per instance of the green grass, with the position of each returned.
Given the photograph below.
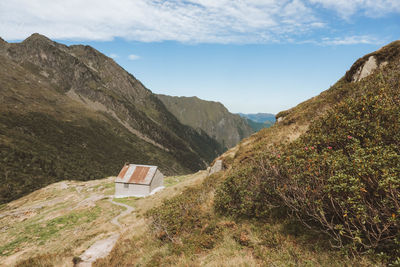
(185, 231)
(40, 232)
(173, 180)
(130, 201)
(109, 188)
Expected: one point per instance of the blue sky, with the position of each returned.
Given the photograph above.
(253, 56)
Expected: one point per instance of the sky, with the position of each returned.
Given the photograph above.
(252, 56)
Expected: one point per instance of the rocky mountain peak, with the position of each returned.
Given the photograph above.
(38, 39)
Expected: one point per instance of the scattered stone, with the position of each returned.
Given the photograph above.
(217, 167)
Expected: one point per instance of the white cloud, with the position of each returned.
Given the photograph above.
(113, 56)
(191, 21)
(371, 8)
(350, 40)
(133, 57)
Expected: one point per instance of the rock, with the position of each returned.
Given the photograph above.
(366, 69)
(217, 167)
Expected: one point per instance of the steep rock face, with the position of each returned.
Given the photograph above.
(73, 113)
(208, 116)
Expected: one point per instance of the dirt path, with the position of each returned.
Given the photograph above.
(128, 210)
(98, 250)
(103, 247)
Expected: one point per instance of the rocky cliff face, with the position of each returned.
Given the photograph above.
(208, 116)
(73, 113)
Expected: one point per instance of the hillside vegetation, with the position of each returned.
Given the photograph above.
(319, 188)
(342, 176)
(77, 213)
(210, 117)
(73, 113)
(326, 176)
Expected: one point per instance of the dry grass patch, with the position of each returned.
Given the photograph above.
(78, 213)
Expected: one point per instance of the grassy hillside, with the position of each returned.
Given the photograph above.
(73, 113)
(186, 231)
(342, 175)
(78, 213)
(319, 188)
(209, 117)
(316, 189)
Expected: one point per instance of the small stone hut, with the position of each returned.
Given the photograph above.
(138, 181)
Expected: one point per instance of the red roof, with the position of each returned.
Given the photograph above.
(139, 174)
(136, 174)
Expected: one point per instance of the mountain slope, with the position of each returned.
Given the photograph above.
(294, 122)
(332, 161)
(258, 121)
(256, 126)
(73, 113)
(259, 117)
(81, 215)
(235, 217)
(208, 116)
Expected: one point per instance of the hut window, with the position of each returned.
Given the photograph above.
(126, 185)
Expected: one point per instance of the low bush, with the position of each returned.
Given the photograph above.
(341, 177)
(344, 174)
(247, 191)
(187, 221)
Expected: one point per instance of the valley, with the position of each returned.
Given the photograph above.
(320, 187)
(211, 117)
(58, 103)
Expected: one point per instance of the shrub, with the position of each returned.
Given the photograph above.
(341, 177)
(247, 192)
(344, 174)
(186, 221)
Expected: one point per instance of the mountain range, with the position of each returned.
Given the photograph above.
(209, 116)
(320, 187)
(258, 121)
(70, 112)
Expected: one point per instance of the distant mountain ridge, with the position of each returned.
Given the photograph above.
(259, 117)
(209, 116)
(259, 121)
(70, 112)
